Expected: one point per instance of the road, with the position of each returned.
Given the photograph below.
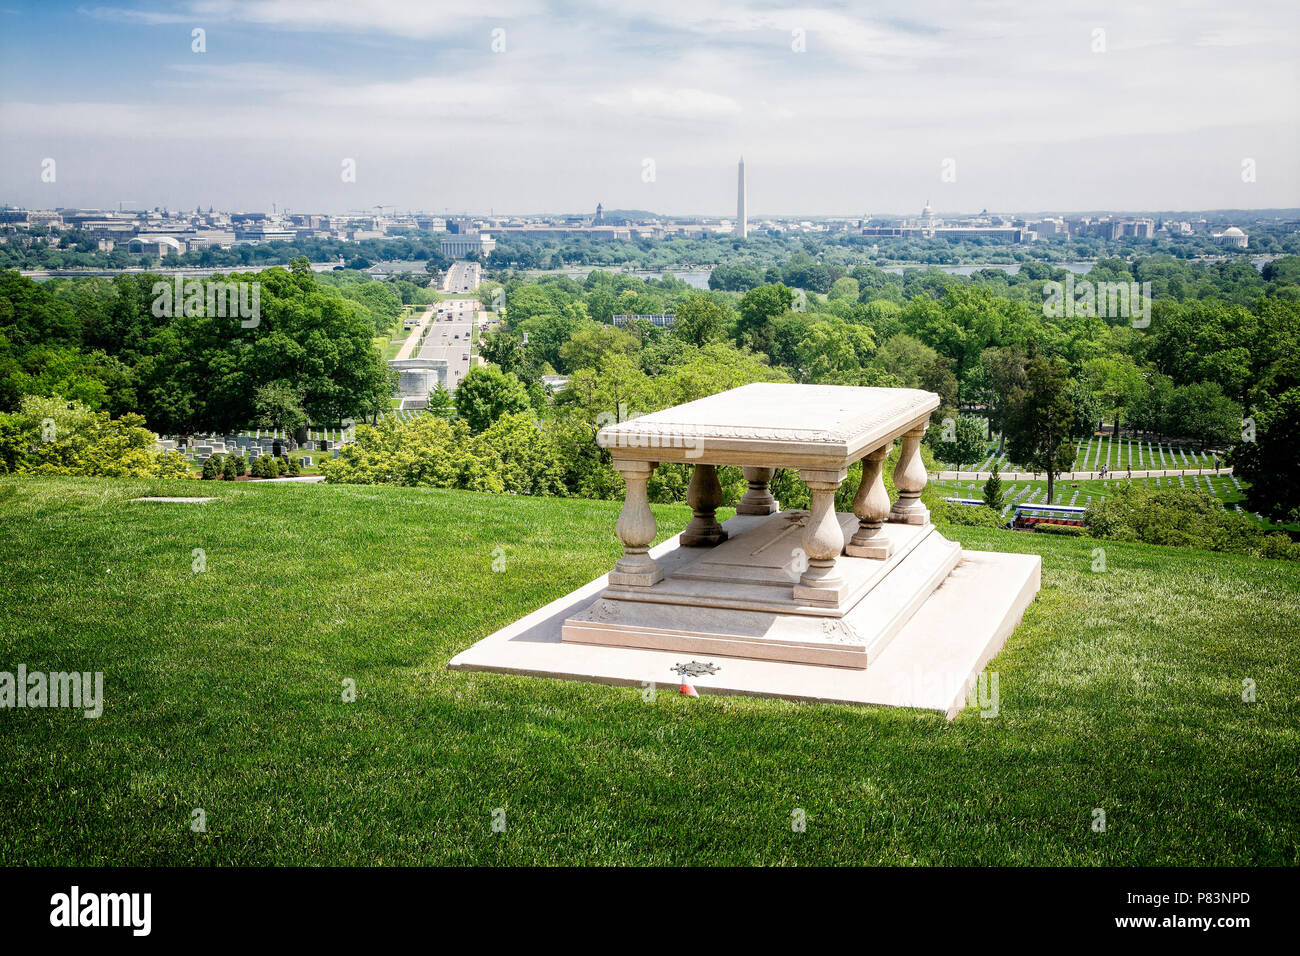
(450, 335)
(462, 277)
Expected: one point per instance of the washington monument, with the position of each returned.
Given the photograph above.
(742, 220)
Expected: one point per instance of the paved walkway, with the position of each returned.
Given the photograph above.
(413, 339)
(1076, 475)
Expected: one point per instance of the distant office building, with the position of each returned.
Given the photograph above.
(1139, 228)
(742, 212)
(263, 231)
(565, 232)
(44, 217)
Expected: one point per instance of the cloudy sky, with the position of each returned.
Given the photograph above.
(521, 106)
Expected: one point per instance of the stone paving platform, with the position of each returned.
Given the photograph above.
(930, 663)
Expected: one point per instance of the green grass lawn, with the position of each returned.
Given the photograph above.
(1121, 690)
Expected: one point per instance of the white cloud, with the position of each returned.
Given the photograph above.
(1012, 90)
(678, 103)
(396, 17)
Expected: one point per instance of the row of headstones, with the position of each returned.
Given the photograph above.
(1015, 498)
(240, 444)
(1152, 454)
(201, 452)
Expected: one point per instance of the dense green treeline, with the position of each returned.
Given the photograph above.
(1211, 358)
(123, 346)
(1213, 353)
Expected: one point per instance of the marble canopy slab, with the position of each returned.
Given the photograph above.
(814, 427)
(873, 606)
(820, 430)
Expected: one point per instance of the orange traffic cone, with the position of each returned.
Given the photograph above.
(688, 690)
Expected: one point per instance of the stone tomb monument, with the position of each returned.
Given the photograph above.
(872, 607)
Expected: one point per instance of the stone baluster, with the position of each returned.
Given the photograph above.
(704, 495)
(823, 540)
(871, 505)
(636, 529)
(910, 479)
(758, 499)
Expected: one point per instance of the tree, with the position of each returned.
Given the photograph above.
(993, 490)
(487, 393)
(1087, 410)
(440, 401)
(845, 288)
(1202, 412)
(278, 405)
(831, 348)
(593, 342)
(1117, 382)
(699, 320)
(917, 365)
(525, 457)
(1039, 420)
(504, 350)
(1001, 370)
(758, 307)
(1272, 460)
(966, 445)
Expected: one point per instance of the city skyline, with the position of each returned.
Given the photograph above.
(539, 107)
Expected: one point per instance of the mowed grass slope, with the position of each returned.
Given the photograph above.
(1121, 690)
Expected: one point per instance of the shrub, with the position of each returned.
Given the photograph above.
(428, 450)
(1182, 518)
(228, 468)
(212, 468)
(281, 467)
(241, 464)
(977, 516)
(51, 436)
